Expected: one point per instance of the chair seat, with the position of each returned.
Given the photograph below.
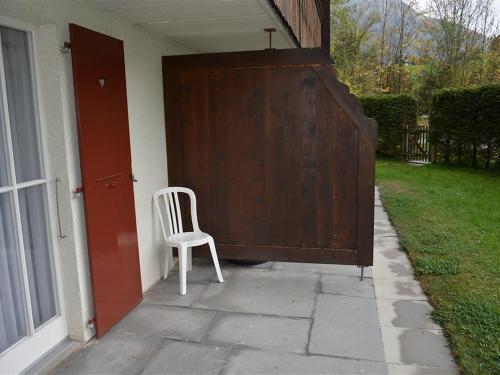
(188, 238)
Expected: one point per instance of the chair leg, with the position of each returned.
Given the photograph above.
(167, 264)
(182, 269)
(215, 259)
(189, 259)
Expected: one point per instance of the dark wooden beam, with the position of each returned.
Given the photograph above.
(249, 59)
(323, 7)
(280, 253)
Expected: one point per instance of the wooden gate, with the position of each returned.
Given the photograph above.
(415, 144)
(278, 152)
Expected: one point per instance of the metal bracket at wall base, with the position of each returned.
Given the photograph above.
(66, 48)
(90, 323)
(78, 192)
(362, 273)
(60, 234)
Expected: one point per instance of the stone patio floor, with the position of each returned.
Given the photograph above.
(279, 318)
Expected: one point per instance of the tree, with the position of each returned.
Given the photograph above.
(352, 47)
(465, 26)
(384, 9)
(389, 46)
(402, 35)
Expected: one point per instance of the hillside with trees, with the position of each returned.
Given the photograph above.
(391, 46)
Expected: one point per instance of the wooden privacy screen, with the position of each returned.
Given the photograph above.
(278, 152)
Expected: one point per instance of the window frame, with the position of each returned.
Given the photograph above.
(13, 188)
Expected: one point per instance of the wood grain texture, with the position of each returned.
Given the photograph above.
(278, 152)
(304, 18)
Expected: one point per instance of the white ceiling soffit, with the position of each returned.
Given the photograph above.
(206, 25)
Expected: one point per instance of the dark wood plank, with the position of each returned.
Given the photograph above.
(281, 254)
(366, 197)
(250, 59)
(283, 161)
(310, 198)
(173, 129)
(237, 113)
(196, 136)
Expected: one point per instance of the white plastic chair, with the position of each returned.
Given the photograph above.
(176, 237)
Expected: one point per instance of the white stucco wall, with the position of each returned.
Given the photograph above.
(143, 53)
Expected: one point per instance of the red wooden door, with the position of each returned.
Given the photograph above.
(101, 101)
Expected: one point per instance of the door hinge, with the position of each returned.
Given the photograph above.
(66, 48)
(90, 323)
(78, 192)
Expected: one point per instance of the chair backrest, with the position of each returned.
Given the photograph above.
(169, 197)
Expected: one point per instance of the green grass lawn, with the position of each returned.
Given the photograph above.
(449, 223)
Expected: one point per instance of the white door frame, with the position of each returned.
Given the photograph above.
(38, 341)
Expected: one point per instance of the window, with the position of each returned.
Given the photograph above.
(27, 285)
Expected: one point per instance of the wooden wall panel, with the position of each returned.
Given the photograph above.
(278, 154)
(195, 129)
(236, 102)
(304, 20)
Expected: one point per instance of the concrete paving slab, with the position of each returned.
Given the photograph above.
(388, 248)
(420, 370)
(167, 322)
(389, 269)
(390, 254)
(164, 293)
(381, 225)
(382, 222)
(188, 358)
(399, 290)
(348, 335)
(347, 286)
(383, 228)
(255, 362)
(332, 269)
(419, 347)
(257, 291)
(344, 325)
(262, 266)
(406, 314)
(263, 332)
(115, 353)
(394, 261)
(202, 273)
(384, 243)
(380, 213)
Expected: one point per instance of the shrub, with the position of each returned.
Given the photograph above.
(392, 113)
(465, 125)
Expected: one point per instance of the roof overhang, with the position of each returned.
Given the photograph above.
(206, 25)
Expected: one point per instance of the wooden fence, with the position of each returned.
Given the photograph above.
(415, 144)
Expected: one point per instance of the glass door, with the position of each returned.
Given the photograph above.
(30, 316)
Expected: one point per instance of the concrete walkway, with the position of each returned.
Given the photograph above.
(413, 343)
(279, 318)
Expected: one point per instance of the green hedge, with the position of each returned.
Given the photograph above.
(465, 125)
(392, 112)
